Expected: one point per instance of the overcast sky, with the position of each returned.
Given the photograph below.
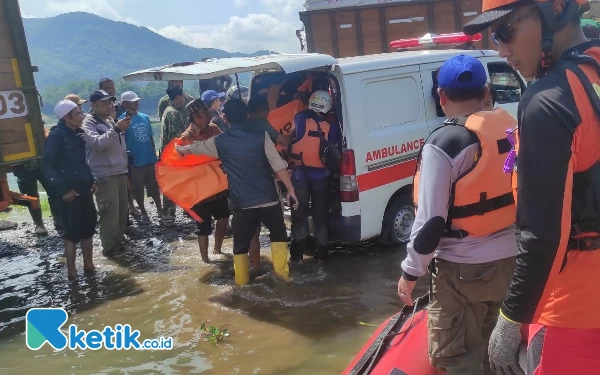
(231, 25)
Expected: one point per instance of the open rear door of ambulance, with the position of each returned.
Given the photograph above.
(211, 68)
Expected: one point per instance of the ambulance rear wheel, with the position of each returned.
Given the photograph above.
(398, 221)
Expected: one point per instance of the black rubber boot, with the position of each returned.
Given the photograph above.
(297, 250)
(321, 253)
(40, 228)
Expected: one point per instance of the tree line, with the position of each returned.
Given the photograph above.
(150, 93)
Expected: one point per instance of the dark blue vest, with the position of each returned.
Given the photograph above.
(242, 152)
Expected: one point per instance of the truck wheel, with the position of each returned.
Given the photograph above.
(398, 221)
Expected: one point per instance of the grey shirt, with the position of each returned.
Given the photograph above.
(105, 147)
(448, 154)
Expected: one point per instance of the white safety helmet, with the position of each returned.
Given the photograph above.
(320, 101)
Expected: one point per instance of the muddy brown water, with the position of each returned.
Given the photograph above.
(308, 326)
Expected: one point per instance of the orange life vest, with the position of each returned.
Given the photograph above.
(282, 120)
(307, 85)
(482, 199)
(306, 151)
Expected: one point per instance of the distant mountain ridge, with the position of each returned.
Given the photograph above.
(79, 46)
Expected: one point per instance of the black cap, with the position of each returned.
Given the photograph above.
(485, 19)
(195, 105)
(100, 95)
(174, 92)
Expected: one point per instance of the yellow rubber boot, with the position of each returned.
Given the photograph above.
(241, 269)
(279, 256)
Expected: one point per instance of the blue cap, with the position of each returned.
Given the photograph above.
(209, 95)
(462, 72)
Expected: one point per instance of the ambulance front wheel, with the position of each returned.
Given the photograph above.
(398, 221)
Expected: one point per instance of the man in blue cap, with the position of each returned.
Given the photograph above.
(463, 230)
(213, 101)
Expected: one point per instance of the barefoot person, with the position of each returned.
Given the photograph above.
(201, 129)
(68, 175)
(139, 139)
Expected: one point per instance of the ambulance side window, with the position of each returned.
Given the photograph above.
(393, 101)
(506, 81)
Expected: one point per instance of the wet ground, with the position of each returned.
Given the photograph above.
(159, 286)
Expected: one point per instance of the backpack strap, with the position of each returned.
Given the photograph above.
(571, 61)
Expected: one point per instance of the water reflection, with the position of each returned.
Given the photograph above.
(33, 280)
(310, 325)
(321, 300)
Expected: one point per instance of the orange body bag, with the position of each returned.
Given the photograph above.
(189, 180)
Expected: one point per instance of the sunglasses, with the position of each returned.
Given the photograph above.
(504, 33)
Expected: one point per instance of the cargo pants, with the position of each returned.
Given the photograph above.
(169, 208)
(464, 310)
(113, 209)
(313, 197)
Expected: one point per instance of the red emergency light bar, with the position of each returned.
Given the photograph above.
(430, 40)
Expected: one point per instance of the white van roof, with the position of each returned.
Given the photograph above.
(290, 63)
(211, 68)
(357, 64)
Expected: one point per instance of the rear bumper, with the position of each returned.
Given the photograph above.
(345, 228)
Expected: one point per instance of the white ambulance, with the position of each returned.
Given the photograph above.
(386, 110)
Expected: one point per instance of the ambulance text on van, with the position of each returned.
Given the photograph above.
(395, 150)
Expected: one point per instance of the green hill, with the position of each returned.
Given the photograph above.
(74, 51)
(81, 46)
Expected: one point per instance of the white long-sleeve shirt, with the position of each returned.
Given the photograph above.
(448, 154)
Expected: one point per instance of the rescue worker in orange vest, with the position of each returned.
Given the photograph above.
(464, 221)
(556, 282)
(311, 177)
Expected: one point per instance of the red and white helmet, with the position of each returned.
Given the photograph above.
(320, 101)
